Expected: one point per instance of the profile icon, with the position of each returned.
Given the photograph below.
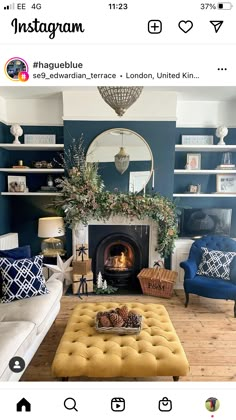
(212, 404)
(16, 364)
(16, 69)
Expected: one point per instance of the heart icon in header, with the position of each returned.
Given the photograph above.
(185, 25)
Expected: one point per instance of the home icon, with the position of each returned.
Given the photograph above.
(23, 405)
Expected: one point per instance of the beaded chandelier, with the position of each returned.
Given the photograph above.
(120, 98)
(121, 158)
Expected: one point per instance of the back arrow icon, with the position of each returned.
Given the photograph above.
(217, 24)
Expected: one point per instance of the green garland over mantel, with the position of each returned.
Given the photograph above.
(83, 199)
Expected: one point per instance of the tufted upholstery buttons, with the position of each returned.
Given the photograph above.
(155, 351)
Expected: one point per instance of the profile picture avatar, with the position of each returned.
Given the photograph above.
(16, 69)
(212, 404)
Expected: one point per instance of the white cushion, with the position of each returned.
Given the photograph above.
(16, 338)
(34, 309)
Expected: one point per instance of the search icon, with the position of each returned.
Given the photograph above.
(70, 404)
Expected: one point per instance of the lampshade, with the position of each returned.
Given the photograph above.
(120, 98)
(49, 227)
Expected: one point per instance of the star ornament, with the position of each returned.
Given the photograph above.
(62, 269)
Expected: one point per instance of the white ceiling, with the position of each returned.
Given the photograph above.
(202, 93)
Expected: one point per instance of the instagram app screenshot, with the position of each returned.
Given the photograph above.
(117, 209)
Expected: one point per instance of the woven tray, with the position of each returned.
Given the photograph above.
(119, 330)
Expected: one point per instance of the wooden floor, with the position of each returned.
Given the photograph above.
(206, 329)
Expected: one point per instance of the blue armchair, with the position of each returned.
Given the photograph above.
(210, 287)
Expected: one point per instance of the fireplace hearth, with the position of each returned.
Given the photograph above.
(119, 253)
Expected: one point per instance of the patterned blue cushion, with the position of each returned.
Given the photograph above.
(16, 253)
(215, 263)
(22, 278)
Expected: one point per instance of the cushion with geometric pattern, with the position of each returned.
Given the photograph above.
(215, 263)
(22, 278)
(16, 253)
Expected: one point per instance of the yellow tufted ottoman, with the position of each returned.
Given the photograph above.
(156, 351)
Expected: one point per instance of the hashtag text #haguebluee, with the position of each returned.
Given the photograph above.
(41, 27)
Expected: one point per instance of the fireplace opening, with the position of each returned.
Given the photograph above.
(119, 257)
(119, 253)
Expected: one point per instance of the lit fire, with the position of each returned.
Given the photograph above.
(118, 262)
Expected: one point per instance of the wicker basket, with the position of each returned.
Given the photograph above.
(119, 330)
(157, 281)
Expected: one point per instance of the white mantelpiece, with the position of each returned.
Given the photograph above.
(80, 234)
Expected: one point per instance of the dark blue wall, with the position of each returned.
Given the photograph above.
(21, 213)
(158, 134)
(208, 182)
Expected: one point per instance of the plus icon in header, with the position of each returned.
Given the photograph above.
(154, 26)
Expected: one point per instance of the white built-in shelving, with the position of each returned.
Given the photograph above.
(203, 171)
(23, 194)
(212, 195)
(205, 148)
(32, 170)
(31, 147)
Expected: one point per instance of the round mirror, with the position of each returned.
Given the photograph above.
(124, 158)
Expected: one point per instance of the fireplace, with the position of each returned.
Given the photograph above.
(119, 253)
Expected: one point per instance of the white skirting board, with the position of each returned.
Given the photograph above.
(9, 241)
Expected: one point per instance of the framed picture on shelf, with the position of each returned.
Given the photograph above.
(196, 140)
(16, 183)
(226, 183)
(193, 161)
(39, 138)
(194, 188)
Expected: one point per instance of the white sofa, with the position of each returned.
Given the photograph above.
(24, 324)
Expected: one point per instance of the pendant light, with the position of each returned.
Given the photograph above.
(121, 158)
(120, 98)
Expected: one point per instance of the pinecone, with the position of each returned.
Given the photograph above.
(100, 314)
(105, 321)
(133, 320)
(123, 312)
(113, 311)
(119, 322)
(116, 320)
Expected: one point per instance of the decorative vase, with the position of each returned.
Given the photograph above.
(226, 158)
(16, 131)
(221, 132)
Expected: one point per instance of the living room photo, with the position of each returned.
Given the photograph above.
(117, 234)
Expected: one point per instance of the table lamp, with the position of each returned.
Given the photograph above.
(51, 228)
